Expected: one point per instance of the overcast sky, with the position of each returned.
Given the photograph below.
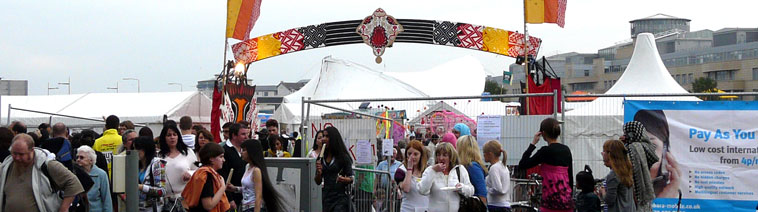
(97, 43)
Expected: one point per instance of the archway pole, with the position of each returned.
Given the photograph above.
(526, 59)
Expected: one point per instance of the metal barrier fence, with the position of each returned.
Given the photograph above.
(585, 125)
(375, 190)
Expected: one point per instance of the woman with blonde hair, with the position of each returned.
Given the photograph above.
(469, 156)
(414, 167)
(499, 179)
(618, 193)
(443, 187)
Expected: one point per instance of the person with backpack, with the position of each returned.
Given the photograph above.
(26, 179)
(60, 145)
(64, 152)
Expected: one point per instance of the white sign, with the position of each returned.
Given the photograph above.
(363, 153)
(488, 128)
(387, 147)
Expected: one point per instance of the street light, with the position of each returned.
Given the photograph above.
(114, 88)
(50, 88)
(181, 88)
(67, 84)
(130, 78)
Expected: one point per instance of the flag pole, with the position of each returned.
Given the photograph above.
(226, 46)
(526, 59)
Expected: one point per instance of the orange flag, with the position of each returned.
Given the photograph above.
(545, 11)
(240, 17)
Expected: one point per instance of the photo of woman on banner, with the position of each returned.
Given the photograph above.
(665, 173)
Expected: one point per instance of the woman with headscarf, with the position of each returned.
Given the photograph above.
(461, 129)
(642, 155)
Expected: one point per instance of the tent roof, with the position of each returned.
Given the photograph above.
(645, 74)
(463, 76)
(342, 79)
(137, 107)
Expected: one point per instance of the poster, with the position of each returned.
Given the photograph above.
(387, 146)
(488, 128)
(363, 153)
(708, 153)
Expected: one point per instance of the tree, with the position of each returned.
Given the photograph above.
(704, 85)
(493, 88)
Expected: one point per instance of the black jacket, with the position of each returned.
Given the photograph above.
(233, 160)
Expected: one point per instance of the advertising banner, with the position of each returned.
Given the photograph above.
(708, 153)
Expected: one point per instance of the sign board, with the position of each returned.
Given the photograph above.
(708, 153)
(387, 146)
(488, 128)
(363, 153)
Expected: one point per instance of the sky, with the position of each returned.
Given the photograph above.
(98, 43)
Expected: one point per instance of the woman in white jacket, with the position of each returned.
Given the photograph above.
(441, 182)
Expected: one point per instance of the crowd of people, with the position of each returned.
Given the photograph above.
(447, 170)
(183, 169)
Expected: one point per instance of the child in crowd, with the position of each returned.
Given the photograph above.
(499, 179)
(586, 200)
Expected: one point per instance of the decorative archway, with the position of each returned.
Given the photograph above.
(379, 31)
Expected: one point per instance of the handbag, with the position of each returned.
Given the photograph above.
(469, 203)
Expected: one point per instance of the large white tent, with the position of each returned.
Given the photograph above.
(140, 108)
(591, 124)
(645, 74)
(341, 79)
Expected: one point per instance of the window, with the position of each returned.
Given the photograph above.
(690, 77)
(585, 86)
(586, 73)
(755, 73)
(725, 75)
(265, 93)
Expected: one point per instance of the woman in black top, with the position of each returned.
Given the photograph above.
(336, 172)
(556, 168)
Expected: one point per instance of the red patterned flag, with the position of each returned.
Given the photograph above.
(241, 17)
(545, 11)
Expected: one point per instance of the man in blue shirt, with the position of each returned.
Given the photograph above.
(392, 168)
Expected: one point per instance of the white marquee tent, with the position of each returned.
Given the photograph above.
(589, 125)
(140, 108)
(645, 74)
(341, 79)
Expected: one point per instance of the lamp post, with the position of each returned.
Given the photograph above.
(114, 88)
(67, 84)
(131, 78)
(181, 88)
(50, 88)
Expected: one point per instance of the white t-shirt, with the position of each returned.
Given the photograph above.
(498, 186)
(189, 140)
(175, 168)
(413, 200)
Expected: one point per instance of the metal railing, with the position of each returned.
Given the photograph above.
(375, 190)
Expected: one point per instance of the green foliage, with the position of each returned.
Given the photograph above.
(703, 84)
(493, 88)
